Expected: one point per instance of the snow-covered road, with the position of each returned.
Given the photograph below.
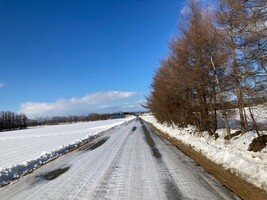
(130, 162)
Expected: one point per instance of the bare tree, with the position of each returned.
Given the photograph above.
(212, 57)
(232, 17)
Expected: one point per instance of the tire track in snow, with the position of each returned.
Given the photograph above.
(192, 180)
(101, 165)
(171, 189)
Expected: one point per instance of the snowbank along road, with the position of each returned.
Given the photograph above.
(130, 162)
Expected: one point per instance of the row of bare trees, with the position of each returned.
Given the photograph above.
(67, 119)
(71, 119)
(217, 61)
(12, 121)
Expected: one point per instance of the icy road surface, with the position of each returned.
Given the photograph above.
(130, 162)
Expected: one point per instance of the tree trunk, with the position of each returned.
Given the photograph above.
(215, 109)
(226, 124)
(255, 125)
(238, 92)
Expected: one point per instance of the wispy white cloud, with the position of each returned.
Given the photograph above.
(101, 102)
(2, 85)
(98, 97)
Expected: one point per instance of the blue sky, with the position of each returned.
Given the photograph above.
(62, 57)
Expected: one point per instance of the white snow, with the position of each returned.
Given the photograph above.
(232, 155)
(259, 112)
(24, 150)
(122, 168)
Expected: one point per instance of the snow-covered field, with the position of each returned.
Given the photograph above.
(232, 155)
(259, 112)
(23, 150)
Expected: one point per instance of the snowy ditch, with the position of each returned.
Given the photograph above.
(13, 172)
(231, 155)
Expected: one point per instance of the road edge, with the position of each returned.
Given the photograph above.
(236, 184)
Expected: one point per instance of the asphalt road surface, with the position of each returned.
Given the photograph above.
(129, 162)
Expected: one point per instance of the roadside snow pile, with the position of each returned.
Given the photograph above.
(15, 171)
(232, 155)
(42, 144)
